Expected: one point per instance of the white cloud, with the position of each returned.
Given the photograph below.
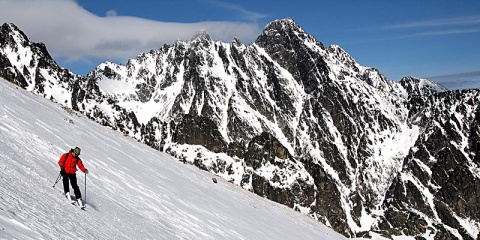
(425, 28)
(448, 32)
(73, 33)
(459, 21)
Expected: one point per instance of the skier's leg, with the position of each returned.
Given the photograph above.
(66, 188)
(76, 189)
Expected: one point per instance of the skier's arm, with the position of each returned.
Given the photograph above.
(61, 162)
(80, 165)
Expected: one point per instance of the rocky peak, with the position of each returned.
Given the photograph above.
(282, 30)
(202, 36)
(10, 28)
(281, 26)
(201, 40)
(296, 51)
(29, 65)
(12, 35)
(237, 43)
(421, 87)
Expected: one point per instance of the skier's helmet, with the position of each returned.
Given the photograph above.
(76, 150)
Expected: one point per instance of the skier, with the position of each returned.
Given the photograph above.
(68, 166)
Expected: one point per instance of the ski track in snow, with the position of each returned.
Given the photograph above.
(133, 191)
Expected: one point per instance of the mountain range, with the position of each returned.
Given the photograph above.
(291, 120)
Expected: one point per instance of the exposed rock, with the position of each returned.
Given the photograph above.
(441, 181)
(198, 130)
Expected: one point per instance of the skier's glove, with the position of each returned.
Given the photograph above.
(62, 171)
(86, 171)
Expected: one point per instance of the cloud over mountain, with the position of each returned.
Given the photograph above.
(73, 33)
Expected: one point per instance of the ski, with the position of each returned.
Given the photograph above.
(83, 206)
(76, 202)
(80, 204)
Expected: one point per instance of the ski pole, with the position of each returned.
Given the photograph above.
(58, 179)
(85, 187)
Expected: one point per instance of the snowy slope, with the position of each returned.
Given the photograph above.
(133, 191)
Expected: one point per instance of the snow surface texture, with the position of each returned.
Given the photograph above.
(133, 191)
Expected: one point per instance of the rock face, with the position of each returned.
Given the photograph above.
(439, 188)
(292, 120)
(30, 66)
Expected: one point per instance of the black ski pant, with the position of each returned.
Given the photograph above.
(73, 180)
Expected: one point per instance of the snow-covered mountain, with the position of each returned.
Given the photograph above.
(30, 66)
(289, 119)
(421, 87)
(133, 191)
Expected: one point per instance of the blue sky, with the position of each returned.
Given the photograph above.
(400, 38)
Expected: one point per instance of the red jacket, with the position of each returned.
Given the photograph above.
(70, 163)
